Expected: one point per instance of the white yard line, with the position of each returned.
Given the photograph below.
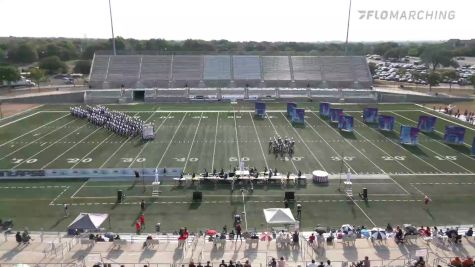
(41, 137)
(359, 151)
(259, 141)
(192, 142)
(437, 132)
(303, 142)
(418, 190)
(92, 150)
(275, 131)
(171, 139)
(144, 146)
(36, 129)
(17, 120)
(216, 111)
(364, 213)
(237, 139)
(58, 196)
(71, 147)
(214, 146)
(122, 145)
(380, 149)
(52, 144)
(79, 189)
(20, 113)
(346, 163)
(399, 145)
(451, 161)
(442, 118)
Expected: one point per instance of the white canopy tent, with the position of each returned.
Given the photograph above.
(279, 216)
(88, 221)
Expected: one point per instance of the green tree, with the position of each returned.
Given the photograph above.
(450, 75)
(82, 66)
(24, 53)
(436, 56)
(433, 79)
(53, 65)
(372, 67)
(2, 55)
(472, 80)
(9, 74)
(37, 75)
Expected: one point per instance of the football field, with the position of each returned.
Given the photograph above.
(216, 136)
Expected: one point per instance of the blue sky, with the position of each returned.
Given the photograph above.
(236, 20)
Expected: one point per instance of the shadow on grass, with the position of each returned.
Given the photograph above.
(57, 222)
(433, 135)
(195, 204)
(349, 135)
(390, 135)
(462, 149)
(414, 150)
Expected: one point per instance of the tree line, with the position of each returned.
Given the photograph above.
(52, 53)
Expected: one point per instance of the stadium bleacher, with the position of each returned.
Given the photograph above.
(187, 71)
(223, 71)
(276, 70)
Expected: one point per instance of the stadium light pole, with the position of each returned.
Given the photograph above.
(347, 29)
(112, 29)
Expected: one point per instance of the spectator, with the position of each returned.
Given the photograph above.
(273, 263)
(295, 239)
(192, 264)
(208, 264)
(18, 238)
(366, 262)
(281, 262)
(311, 240)
(238, 231)
(138, 227)
(239, 264)
(223, 264)
(247, 264)
(231, 264)
(468, 262)
(329, 264)
(312, 264)
(420, 262)
(469, 232)
(321, 264)
(199, 264)
(456, 262)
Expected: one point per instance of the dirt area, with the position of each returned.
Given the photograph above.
(8, 109)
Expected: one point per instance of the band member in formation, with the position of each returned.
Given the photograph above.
(281, 146)
(115, 121)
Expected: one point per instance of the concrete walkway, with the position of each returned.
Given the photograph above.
(62, 249)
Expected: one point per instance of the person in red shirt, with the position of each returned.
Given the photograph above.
(468, 262)
(142, 220)
(311, 240)
(138, 227)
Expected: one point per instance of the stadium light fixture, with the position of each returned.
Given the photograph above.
(347, 29)
(112, 29)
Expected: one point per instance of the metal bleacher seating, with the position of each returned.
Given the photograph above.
(247, 71)
(217, 70)
(229, 71)
(187, 71)
(124, 68)
(276, 70)
(155, 71)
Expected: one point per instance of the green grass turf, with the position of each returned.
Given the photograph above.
(195, 137)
